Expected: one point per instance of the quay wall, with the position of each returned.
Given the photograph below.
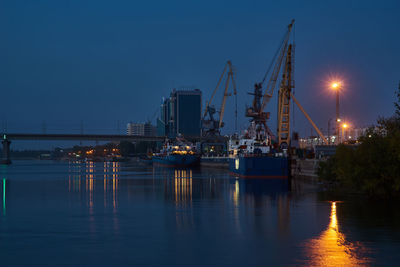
(306, 168)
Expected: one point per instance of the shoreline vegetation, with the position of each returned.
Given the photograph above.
(372, 167)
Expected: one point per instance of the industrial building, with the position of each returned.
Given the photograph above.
(181, 114)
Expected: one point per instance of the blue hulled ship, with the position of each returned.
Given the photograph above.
(177, 155)
(259, 167)
(177, 160)
(256, 158)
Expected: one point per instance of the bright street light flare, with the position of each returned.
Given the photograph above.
(335, 85)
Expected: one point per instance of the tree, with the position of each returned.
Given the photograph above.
(397, 103)
(126, 148)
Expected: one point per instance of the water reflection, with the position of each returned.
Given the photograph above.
(85, 177)
(263, 197)
(182, 186)
(240, 197)
(332, 249)
(235, 193)
(178, 188)
(3, 188)
(207, 216)
(4, 195)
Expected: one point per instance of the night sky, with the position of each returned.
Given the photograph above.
(100, 62)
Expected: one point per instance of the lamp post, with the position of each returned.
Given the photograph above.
(336, 86)
(329, 131)
(344, 127)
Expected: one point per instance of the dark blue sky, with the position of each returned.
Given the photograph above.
(64, 62)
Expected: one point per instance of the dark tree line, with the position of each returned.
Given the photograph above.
(373, 166)
(130, 149)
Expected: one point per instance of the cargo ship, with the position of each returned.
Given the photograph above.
(259, 153)
(177, 155)
(254, 158)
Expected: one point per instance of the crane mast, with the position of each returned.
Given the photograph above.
(284, 95)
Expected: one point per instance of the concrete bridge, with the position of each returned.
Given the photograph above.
(8, 137)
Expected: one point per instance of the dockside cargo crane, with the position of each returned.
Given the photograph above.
(281, 63)
(256, 112)
(212, 127)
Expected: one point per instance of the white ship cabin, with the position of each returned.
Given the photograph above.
(248, 146)
(170, 147)
(233, 146)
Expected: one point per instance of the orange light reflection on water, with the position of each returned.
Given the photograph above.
(332, 249)
(183, 186)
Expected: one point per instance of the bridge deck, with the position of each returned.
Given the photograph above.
(80, 137)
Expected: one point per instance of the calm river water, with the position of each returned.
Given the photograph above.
(126, 214)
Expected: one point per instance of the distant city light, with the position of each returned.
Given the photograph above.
(345, 125)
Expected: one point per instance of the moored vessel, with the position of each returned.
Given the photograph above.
(257, 157)
(177, 155)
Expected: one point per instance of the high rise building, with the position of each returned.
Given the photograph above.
(181, 114)
(135, 128)
(146, 129)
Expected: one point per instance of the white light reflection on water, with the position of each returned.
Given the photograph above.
(332, 249)
(235, 198)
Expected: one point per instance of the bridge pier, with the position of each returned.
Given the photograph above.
(6, 152)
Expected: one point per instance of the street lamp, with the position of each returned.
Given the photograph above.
(336, 86)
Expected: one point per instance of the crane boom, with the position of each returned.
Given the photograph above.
(235, 94)
(270, 88)
(222, 111)
(310, 120)
(215, 90)
(211, 126)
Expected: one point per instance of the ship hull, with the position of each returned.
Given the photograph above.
(259, 167)
(177, 160)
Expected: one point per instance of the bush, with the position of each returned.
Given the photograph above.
(373, 167)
